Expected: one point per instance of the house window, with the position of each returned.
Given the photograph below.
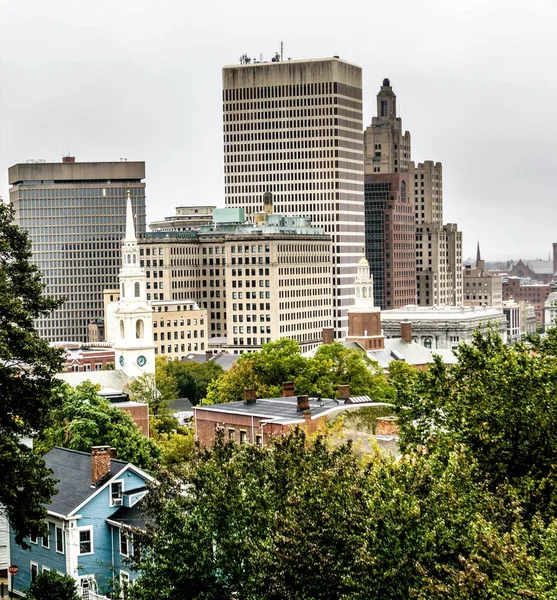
(243, 437)
(46, 539)
(115, 493)
(59, 540)
(124, 583)
(231, 434)
(86, 541)
(124, 547)
(34, 571)
(259, 440)
(34, 539)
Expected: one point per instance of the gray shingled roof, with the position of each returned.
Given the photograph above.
(72, 469)
(134, 517)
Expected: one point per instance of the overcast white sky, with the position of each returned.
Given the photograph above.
(141, 79)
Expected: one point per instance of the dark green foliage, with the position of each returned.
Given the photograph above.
(27, 385)
(85, 420)
(192, 379)
(281, 361)
(298, 520)
(49, 585)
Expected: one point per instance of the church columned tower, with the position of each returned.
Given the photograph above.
(133, 347)
(364, 319)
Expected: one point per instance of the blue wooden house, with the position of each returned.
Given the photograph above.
(90, 523)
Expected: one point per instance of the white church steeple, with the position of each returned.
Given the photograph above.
(364, 285)
(134, 348)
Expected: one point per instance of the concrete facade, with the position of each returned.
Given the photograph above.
(257, 283)
(293, 130)
(75, 216)
(187, 218)
(482, 288)
(442, 327)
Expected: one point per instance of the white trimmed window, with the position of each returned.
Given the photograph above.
(86, 540)
(124, 543)
(34, 570)
(116, 491)
(59, 540)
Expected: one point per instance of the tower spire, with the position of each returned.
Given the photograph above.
(478, 255)
(130, 228)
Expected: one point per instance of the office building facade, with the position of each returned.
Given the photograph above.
(75, 214)
(438, 247)
(293, 132)
(390, 233)
(258, 283)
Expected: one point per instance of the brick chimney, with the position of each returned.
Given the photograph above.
(208, 355)
(328, 335)
(343, 392)
(302, 404)
(250, 396)
(406, 331)
(288, 389)
(68, 159)
(100, 463)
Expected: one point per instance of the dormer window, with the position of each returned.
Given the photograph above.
(116, 493)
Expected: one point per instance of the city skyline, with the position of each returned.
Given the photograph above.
(108, 84)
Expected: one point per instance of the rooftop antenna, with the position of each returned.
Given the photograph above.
(281, 51)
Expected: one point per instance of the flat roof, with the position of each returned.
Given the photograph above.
(277, 410)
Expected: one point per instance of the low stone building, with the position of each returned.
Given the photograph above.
(443, 327)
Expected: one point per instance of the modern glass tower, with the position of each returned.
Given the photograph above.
(75, 214)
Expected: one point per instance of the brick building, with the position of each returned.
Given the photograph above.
(533, 292)
(254, 420)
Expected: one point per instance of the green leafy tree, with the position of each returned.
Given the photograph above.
(281, 361)
(303, 520)
(50, 585)
(191, 379)
(85, 419)
(156, 390)
(27, 384)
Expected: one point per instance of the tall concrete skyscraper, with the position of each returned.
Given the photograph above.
(293, 134)
(75, 214)
(438, 247)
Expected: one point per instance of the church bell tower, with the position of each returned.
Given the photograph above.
(133, 347)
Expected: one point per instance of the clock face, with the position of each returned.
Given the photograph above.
(141, 361)
(121, 360)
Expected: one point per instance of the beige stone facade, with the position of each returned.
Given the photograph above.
(257, 283)
(482, 288)
(179, 327)
(294, 130)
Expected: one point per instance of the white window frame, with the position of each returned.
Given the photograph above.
(124, 574)
(90, 530)
(45, 568)
(34, 540)
(123, 533)
(121, 482)
(57, 529)
(32, 564)
(47, 545)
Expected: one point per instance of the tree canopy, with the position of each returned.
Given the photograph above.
(467, 512)
(28, 365)
(281, 361)
(50, 585)
(85, 419)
